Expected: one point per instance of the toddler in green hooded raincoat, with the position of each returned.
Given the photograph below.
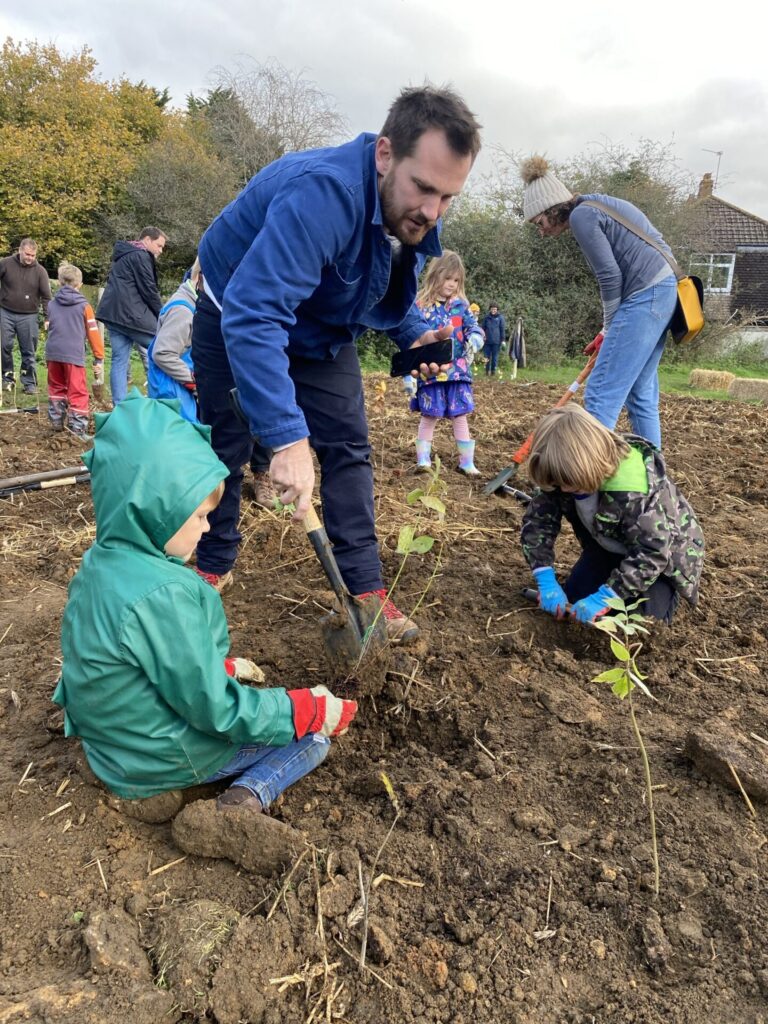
(146, 681)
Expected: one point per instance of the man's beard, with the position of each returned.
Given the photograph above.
(398, 222)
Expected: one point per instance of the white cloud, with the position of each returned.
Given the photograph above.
(553, 77)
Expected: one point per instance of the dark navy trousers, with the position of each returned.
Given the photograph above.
(330, 394)
(595, 565)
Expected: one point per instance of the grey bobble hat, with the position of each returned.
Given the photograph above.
(542, 189)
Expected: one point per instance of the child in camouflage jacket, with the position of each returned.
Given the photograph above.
(639, 535)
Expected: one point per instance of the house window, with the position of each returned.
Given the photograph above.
(715, 270)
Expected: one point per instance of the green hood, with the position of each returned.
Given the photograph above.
(150, 469)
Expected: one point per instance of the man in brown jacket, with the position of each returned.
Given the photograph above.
(24, 285)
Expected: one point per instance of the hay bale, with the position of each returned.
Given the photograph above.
(749, 387)
(711, 380)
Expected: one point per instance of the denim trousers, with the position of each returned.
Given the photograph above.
(491, 352)
(596, 564)
(23, 326)
(268, 771)
(330, 394)
(122, 340)
(626, 371)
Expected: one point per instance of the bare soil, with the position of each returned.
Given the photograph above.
(516, 879)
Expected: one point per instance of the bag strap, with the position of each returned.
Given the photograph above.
(614, 215)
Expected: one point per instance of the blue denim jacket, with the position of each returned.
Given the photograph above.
(300, 263)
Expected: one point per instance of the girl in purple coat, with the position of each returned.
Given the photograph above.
(448, 395)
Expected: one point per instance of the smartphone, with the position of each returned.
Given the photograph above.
(440, 352)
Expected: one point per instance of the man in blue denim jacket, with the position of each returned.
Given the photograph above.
(319, 247)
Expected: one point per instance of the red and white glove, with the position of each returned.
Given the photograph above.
(244, 670)
(594, 346)
(317, 710)
(98, 371)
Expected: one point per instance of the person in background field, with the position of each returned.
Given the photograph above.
(448, 393)
(171, 373)
(147, 680)
(71, 322)
(495, 331)
(639, 536)
(638, 289)
(319, 247)
(131, 303)
(24, 285)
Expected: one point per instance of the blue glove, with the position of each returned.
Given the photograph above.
(551, 595)
(590, 608)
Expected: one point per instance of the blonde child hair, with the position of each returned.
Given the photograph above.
(447, 265)
(70, 275)
(572, 451)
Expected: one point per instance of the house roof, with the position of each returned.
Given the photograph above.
(724, 227)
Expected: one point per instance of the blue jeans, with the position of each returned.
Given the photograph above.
(266, 772)
(122, 340)
(626, 371)
(330, 394)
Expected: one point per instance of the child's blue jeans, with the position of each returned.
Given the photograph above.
(268, 771)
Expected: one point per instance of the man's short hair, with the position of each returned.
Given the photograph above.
(419, 108)
(153, 233)
(27, 243)
(70, 274)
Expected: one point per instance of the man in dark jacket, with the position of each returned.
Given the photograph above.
(130, 303)
(494, 328)
(24, 285)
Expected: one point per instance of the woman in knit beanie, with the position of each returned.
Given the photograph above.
(638, 290)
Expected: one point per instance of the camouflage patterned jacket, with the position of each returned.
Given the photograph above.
(655, 529)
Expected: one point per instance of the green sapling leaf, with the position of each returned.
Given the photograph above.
(611, 675)
(619, 650)
(404, 540)
(435, 504)
(414, 496)
(421, 545)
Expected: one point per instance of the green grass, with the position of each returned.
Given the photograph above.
(673, 377)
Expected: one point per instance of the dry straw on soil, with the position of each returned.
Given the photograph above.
(749, 387)
(711, 380)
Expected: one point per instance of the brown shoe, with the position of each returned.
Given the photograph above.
(400, 629)
(218, 582)
(263, 490)
(241, 798)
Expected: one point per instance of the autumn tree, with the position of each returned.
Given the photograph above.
(68, 142)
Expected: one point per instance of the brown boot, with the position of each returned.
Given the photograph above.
(241, 798)
(264, 493)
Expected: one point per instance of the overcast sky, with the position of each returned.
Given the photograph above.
(553, 77)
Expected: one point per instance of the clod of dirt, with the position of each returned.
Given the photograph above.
(254, 841)
(337, 896)
(534, 819)
(112, 938)
(658, 950)
(186, 945)
(153, 809)
(84, 1003)
(381, 946)
(568, 703)
(714, 746)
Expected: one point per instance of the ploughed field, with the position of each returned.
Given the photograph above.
(515, 884)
